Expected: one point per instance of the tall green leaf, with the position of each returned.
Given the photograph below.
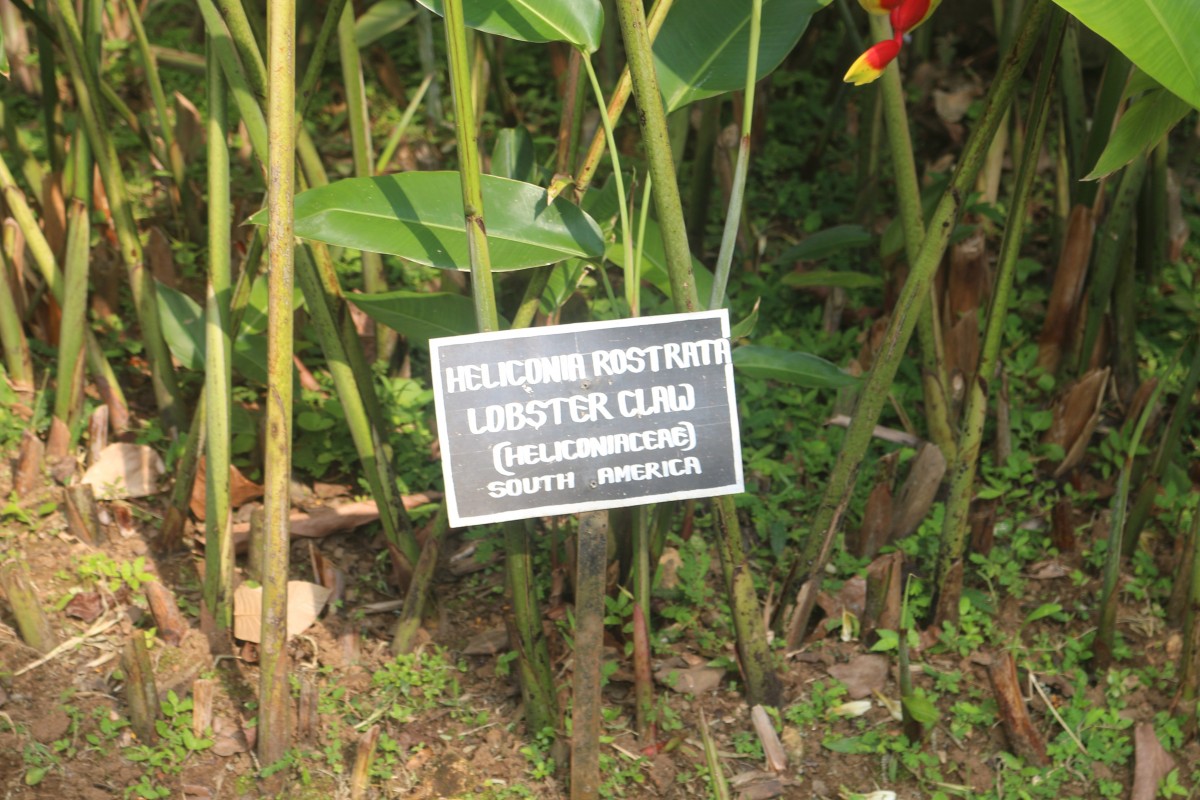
(703, 46)
(1141, 127)
(1161, 36)
(183, 328)
(384, 17)
(788, 366)
(578, 22)
(513, 155)
(419, 216)
(420, 316)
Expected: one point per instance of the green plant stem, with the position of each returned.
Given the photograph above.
(174, 153)
(1189, 680)
(734, 215)
(834, 501)
(331, 319)
(962, 481)
(12, 334)
(49, 100)
(483, 290)
(1106, 626)
(69, 393)
(188, 463)
(316, 58)
(642, 578)
(531, 301)
(86, 85)
(908, 191)
(616, 104)
(43, 257)
(393, 141)
(1109, 99)
(428, 63)
(591, 562)
(532, 654)
(409, 622)
(1074, 108)
(632, 271)
(653, 123)
(360, 144)
(1169, 445)
(1110, 245)
(273, 732)
(218, 371)
(762, 686)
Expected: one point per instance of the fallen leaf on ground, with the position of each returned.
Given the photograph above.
(1151, 763)
(86, 606)
(696, 680)
(125, 470)
(862, 675)
(305, 601)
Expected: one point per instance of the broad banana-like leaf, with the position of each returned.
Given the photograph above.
(1161, 36)
(419, 216)
(384, 17)
(420, 316)
(704, 45)
(577, 22)
(1142, 127)
(789, 366)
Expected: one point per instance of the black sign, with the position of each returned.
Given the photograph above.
(584, 417)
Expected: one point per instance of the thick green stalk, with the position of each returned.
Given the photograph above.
(370, 447)
(533, 657)
(331, 318)
(84, 80)
(762, 684)
(591, 562)
(1169, 445)
(632, 271)
(47, 264)
(642, 578)
(483, 290)
(962, 481)
(1106, 627)
(360, 145)
(240, 28)
(908, 194)
(827, 521)
(1074, 104)
(734, 215)
(1109, 99)
(12, 335)
(49, 105)
(69, 393)
(274, 698)
(1110, 245)
(165, 128)
(616, 104)
(405, 631)
(1189, 680)
(188, 462)
(655, 137)
(218, 371)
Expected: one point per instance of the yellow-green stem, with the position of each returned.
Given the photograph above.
(218, 373)
(274, 696)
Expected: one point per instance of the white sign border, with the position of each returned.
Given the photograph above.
(457, 521)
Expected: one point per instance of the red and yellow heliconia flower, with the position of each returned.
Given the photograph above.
(870, 65)
(905, 15)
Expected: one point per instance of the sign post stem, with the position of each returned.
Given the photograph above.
(592, 551)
